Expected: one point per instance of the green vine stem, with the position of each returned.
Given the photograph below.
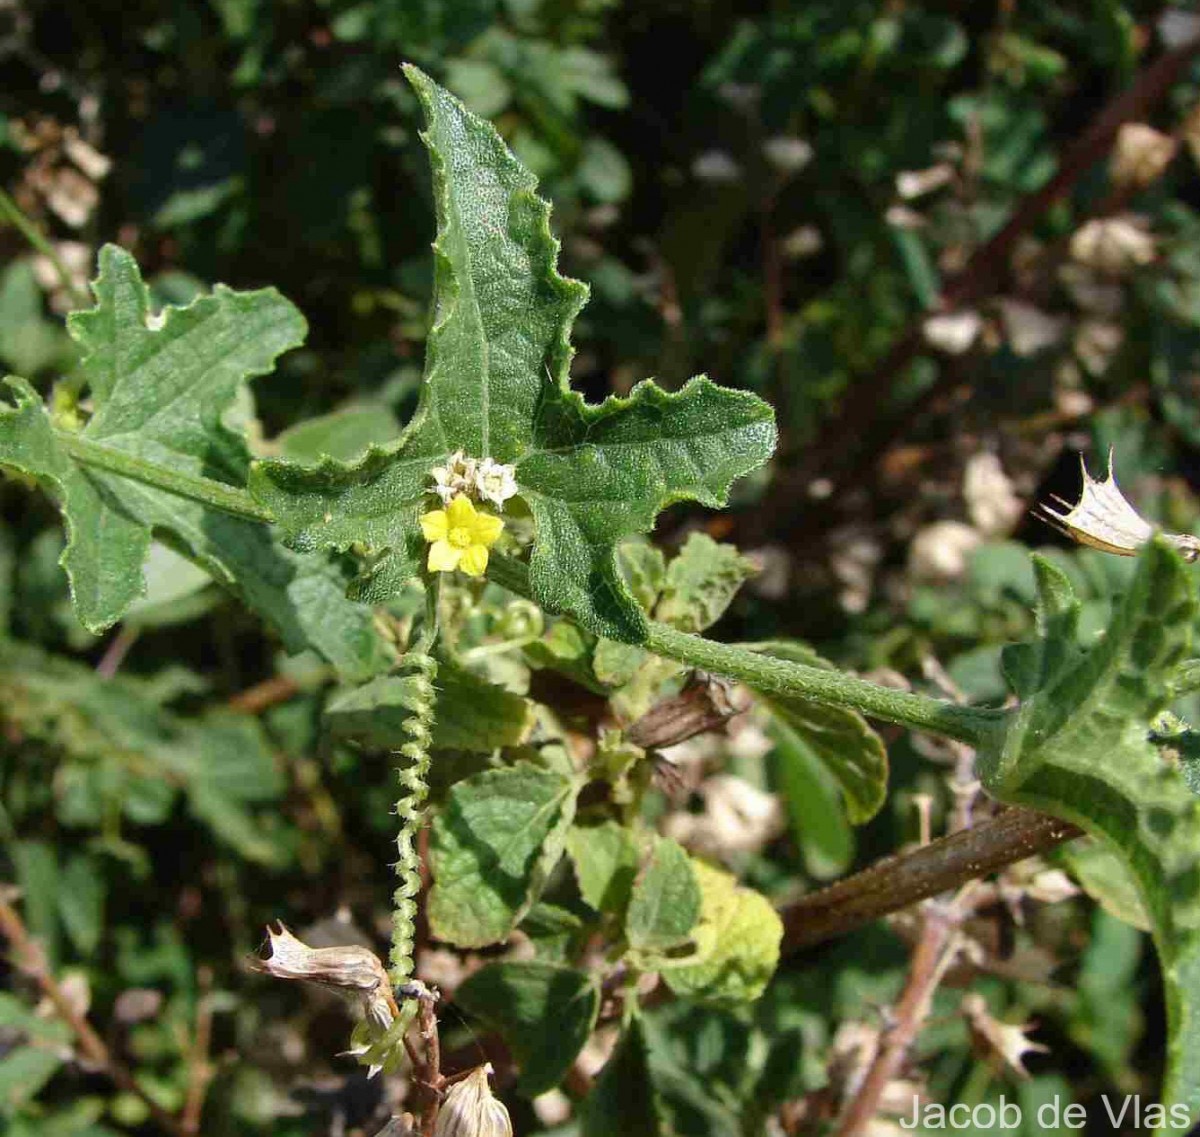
(833, 688)
(414, 785)
(973, 726)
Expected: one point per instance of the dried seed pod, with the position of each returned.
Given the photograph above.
(472, 1110)
(1102, 519)
(358, 975)
(351, 971)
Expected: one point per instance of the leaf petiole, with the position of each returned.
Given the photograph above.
(971, 725)
(219, 495)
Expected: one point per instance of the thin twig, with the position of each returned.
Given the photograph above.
(934, 952)
(118, 648)
(200, 1069)
(28, 956)
(254, 700)
(901, 880)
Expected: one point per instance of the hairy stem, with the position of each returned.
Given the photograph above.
(904, 878)
(832, 688)
(783, 677)
(410, 808)
(228, 499)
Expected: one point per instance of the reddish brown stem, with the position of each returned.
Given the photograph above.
(933, 952)
(200, 1069)
(901, 880)
(430, 1069)
(28, 956)
(254, 700)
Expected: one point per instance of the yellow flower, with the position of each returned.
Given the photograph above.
(460, 537)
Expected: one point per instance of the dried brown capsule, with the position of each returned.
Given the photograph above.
(1102, 519)
(355, 973)
(472, 1110)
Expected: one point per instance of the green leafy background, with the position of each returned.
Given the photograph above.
(727, 182)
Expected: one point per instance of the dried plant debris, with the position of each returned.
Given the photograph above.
(358, 975)
(1103, 519)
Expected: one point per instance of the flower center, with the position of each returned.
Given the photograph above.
(459, 536)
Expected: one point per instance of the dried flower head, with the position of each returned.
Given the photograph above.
(495, 482)
(1140, 155)
(480, 479)
(352, 971)
(1102, 519)
(472, 1110)
(1004, 1041)
(357, 975)
(456, 477)
(1113, 245)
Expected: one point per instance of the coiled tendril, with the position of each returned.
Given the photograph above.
(410, 808)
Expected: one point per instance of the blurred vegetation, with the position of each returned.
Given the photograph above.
(774, 194)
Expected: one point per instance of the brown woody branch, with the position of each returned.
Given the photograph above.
(901, 880)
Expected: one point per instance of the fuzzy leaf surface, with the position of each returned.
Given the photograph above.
(496, 385)
(665, 903)
(738, 937)
(161, 388)
(1079, 748)
(701, 582)
(605, 858)
(493, 846)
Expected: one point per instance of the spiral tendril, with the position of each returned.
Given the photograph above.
(410, 808)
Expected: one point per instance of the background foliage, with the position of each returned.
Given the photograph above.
(769, 195)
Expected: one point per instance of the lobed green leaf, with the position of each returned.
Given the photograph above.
(1079, 747)
(161, 390)
(496, 385)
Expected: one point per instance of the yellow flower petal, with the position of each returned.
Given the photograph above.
(485, 529)
(444, 557)
(435, 525)
(474, 560)
(460, 512)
